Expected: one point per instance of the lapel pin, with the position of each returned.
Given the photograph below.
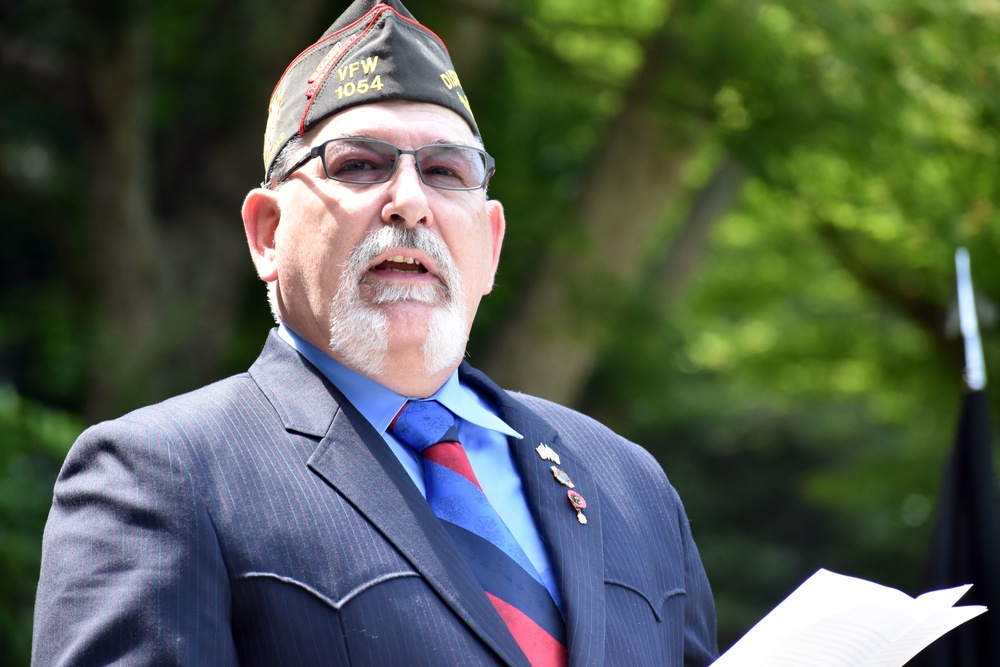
(562, 477)
(578, 504)
(548, 454)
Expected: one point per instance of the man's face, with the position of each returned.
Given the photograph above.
(385, 275)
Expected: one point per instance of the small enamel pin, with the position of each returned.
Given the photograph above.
(579, 504)
(548, 454)
(562, 477)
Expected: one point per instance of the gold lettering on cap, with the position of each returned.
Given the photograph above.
(366, 66)
(450, 79)
(451, 82)
(350, 88)
(465, 102)
(271, 141)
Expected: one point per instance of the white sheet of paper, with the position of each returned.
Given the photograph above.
(833, 620)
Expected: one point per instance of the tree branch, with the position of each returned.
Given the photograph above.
(927, 314)
(551, 345)
(710, 205)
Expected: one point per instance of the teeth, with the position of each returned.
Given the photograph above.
(399, 259)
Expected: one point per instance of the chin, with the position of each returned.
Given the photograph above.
(443, 346)
(369, 338)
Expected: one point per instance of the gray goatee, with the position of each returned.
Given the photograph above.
(359, 327)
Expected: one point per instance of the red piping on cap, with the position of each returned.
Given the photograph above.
(424, 28)
(313, 47)
(373, 15)
(311, 91)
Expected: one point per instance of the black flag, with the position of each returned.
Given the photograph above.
(965, 543)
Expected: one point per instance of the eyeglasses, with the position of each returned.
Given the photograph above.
(370, 161)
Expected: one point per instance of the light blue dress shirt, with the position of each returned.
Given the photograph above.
(482, 433)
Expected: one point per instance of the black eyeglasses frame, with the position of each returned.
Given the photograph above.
(318, 151)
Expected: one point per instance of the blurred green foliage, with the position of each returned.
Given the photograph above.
(801, 388)
(34, 440)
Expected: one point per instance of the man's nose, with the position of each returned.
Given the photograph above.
(408, 204)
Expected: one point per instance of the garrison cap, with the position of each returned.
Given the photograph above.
(375, 51)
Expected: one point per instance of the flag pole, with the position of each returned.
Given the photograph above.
(965, 542)
(975, 365)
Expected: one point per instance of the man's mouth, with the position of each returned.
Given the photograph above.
(400, 264)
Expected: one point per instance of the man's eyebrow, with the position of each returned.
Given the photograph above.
(358, 135)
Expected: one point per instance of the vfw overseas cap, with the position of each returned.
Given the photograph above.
(375, 51)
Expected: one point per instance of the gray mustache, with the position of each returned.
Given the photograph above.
(393, 237)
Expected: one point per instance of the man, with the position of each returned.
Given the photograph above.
(288, 516)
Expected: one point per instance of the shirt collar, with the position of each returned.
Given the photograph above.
(379, 404)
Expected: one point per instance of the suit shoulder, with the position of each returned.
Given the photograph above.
(217, 408)
(561, 415)
(585, 432)
(235, 394)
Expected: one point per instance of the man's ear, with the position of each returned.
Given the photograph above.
(498, 226)
(261, 213)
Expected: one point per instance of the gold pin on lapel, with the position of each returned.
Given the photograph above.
(562, 477)
(548, 454)
(579, 504)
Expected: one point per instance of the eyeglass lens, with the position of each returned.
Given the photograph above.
(370, 161)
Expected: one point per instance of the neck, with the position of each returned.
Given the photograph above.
(403, 368)
(406, 375)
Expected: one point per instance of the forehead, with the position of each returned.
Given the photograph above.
(406, 124)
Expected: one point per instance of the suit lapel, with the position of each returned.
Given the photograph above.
(576, 550)
(355, 460)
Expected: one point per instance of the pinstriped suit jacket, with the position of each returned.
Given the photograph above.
(262, 521)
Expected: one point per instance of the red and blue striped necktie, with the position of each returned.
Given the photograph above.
(510, 580)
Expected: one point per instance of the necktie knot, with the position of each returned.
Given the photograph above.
(421, 424)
